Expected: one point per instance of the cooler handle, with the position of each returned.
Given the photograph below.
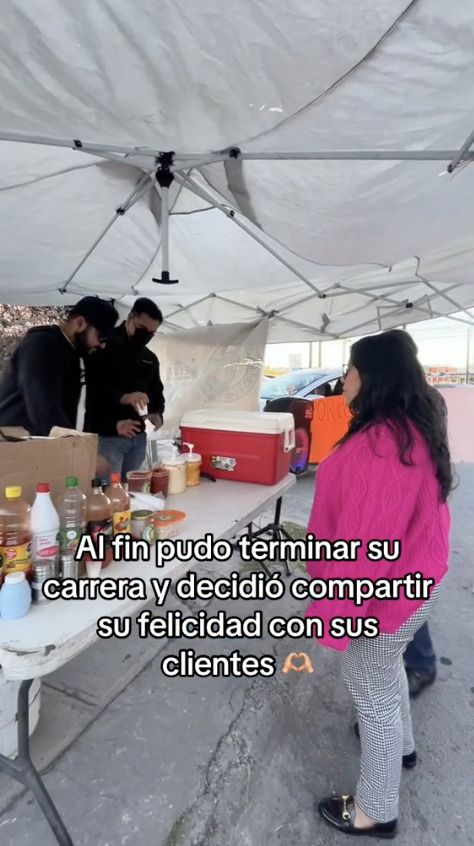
(289, 442)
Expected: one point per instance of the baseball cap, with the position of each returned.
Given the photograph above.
(99, 313)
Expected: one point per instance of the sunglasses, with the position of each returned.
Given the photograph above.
(345, 370)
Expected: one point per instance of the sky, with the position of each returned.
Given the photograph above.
(440, 342)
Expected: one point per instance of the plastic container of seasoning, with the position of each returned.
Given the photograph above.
(139, 481)
(176, 467)
(140, 522)
(160, 478)
(166, 524)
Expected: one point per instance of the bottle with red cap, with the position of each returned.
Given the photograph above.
(45, 525)
(120, 500)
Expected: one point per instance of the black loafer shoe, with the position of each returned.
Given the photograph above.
(336, 810)
(408, 761)
(418, 681)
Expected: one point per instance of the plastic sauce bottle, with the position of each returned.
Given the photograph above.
(176, 467)
(15, 533)
(99, 517)
(45, 527)
(72, 507)
(193, 466)
(120, 505)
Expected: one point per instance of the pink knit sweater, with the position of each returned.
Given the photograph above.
(364, 492)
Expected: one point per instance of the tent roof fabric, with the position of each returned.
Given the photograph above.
(337, 217)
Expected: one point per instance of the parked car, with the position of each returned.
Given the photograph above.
(308, 383)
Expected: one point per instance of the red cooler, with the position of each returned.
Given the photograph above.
(241, 446)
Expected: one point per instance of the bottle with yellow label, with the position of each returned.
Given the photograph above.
(121, 505)
(15, 532)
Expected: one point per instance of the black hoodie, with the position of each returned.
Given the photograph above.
(42, 384)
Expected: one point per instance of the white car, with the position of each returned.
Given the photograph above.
(308, 383)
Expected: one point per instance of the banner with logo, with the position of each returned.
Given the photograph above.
(210, 367)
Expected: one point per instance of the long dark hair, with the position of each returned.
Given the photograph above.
(395, 391)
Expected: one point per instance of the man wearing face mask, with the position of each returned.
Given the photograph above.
(121, 380)
(42, 384)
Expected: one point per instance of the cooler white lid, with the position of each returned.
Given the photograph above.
(268, 422)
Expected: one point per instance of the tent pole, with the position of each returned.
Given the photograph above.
(462, 155)
(257, 310)
(275, 313)
(468, 356)
(254, 309)
(132, 198)
(397, 311)
(334, 293)
(144, 273)
(312, 353)
(358, 155)
(165, 179)
(195, 159)
(231, 214)
(165, 219)
(180, 309)
(442, 294)
(391, 301)
(318, 332)
(76, 144)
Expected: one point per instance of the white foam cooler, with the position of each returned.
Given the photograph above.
(241, 446)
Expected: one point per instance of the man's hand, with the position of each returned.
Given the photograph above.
(156, 420)
(135, 399)
(128, 428)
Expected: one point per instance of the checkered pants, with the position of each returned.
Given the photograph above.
(374, 673)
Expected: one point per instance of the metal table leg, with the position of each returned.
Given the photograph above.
(23, 770)
(277, 531)
(251, 535)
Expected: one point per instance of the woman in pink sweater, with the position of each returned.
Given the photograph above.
(387, 480)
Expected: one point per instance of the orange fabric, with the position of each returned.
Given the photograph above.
(330, 422)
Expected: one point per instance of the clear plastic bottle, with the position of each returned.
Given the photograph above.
(15, 533)
(45, 527)
(120, 500)
(72, 507)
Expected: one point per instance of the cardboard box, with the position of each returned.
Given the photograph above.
(26, 460)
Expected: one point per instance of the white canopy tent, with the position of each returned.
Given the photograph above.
(319, 174)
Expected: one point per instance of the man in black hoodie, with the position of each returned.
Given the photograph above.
(125, 376)
(42, 384)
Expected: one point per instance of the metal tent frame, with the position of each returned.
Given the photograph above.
(171, 166)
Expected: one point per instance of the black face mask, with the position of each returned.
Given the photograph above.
(141, 338)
